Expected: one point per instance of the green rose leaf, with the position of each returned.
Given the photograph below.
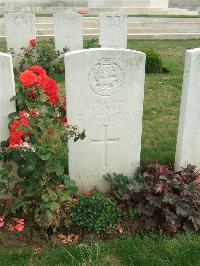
(65, 197)
(45, 197)
(48, 215)
(44, 152)
(44, 205)
(54, 206)
(52, 195)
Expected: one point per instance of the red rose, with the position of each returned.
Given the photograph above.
(16, 139)
(28, 78)
(50, 86)
(16, 136)
(38, 71)
(54, 99)
(32, 42)
(19, 227)
(25, 122)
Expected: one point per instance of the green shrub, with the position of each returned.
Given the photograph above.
(95, 212)
(153, 61)
(93, 43)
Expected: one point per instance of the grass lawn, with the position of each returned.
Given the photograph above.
(162, 98)
(152, 250)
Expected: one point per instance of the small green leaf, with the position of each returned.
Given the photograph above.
(12, 115)
(53, 206)
(52, 195)
(44, 205)
(48, 215)
(45, 197)
(44, 152)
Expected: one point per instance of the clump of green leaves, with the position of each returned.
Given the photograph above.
(93, 43)
(153, 61)
(95, 212)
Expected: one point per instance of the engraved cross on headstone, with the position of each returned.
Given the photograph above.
(106, 141)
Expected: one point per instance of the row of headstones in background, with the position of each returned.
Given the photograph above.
(105, 89)
(68, 30)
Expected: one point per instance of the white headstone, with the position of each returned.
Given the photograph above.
(7, 90)
(105, 90)
(113, 30)
(68, 31)
(20, 29)
(188, 141)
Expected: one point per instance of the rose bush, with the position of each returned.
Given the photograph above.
(39, 132)
(42, 54)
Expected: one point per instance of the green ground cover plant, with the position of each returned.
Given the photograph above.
(95, 212)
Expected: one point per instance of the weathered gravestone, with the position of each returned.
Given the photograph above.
(7, 90)
(113, 30)
(68, 31)
(20, 29)
(105, 90)
(188, 141)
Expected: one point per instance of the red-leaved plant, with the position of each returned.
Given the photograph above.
(163, 199)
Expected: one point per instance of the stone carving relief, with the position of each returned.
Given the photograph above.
(105, 77)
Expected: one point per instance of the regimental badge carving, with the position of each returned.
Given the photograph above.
(19, 22)
(114, 22)
(105, 77)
